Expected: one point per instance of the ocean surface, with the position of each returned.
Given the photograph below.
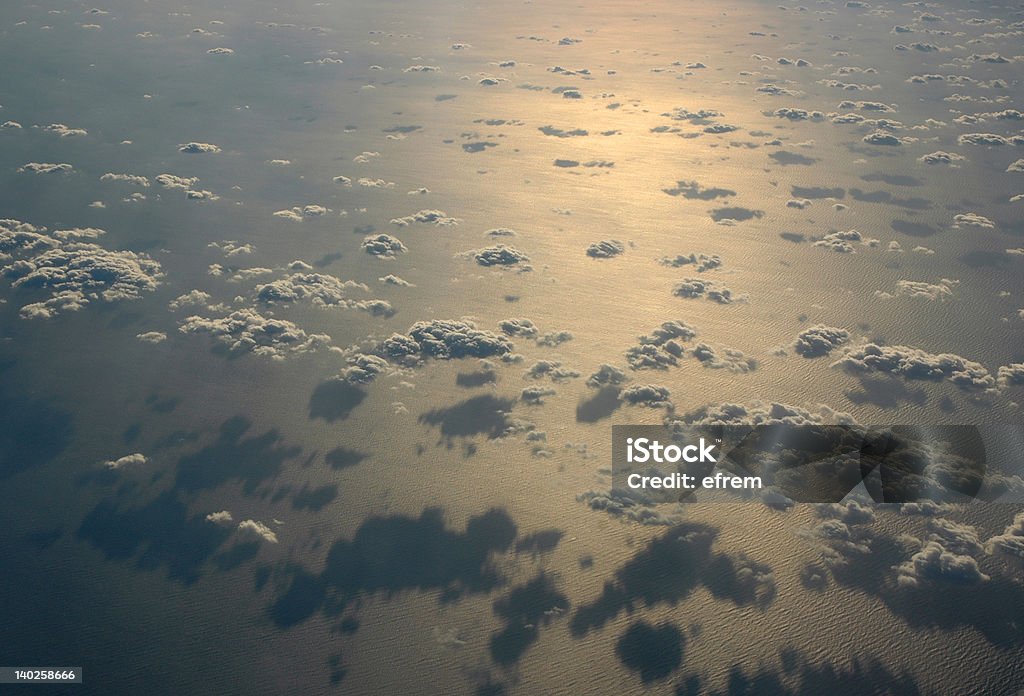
(221, 472)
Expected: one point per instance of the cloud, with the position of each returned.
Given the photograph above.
(63, 131)
(135, 459)
(76, 273)
(929, 291)
(444, 339)
(660, 349)
(916, 364)
(719, 358)
(436, 217)
(251, 529)
(554, 338)
(798, 114)
(883, 138)
(298, 214)
(193, 298)
(500, 255)
(535, 394)
(363, 369)
(606, 375)
(941, 157)
(990, 139)
(248, 331)
(552, 369)
(605, 249)
(222, 517)
(195, 148)
(692, 288)
(819, 340)
(843, 241)
(133, 179)
(765, 413)
(45, 168)
(391, 279)
(518, 327)
(322, 290)
(383, 246)
(173, 181)
(936, 563)
(152, 337)
(1010, 375)
(650, 395)
(702, 262)
(972, 220)
(1011, 542)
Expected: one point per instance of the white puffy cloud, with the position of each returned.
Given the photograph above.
(195, 148)
(692, 288)
(128, 460)
(819, 340)
(940, 291)
(499, 255)
(63, 131)
(434, 217)
(940, 157)
(45, 168)
(916, 364)
(605, 249)
(257, 531)
(133, 179)
(248, 331)
(383, 246)
(75, 273)
(972, 220)
(222, 517)
(152, 337)
(650, 395)
(934, 562)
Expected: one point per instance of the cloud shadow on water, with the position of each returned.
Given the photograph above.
(33, 432)
(390, 555)
(334, 400)
(479, 415)
(524, 610)
(234, 457)
(601, 405)
(668, 570)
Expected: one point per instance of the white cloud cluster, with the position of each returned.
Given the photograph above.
(434, 217)
(819, 340)
(133, 179)
(916, 364)
(195, 148)
(75, 273)
(135, 459)
(692, 288)
(940, 291)
(248, 331)
(257, 531)
(383, 246)
(499, 255)
(320, 289)
(444, 339)
(605, 249)
(843, 241)
(650, 395)
(45, 168)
